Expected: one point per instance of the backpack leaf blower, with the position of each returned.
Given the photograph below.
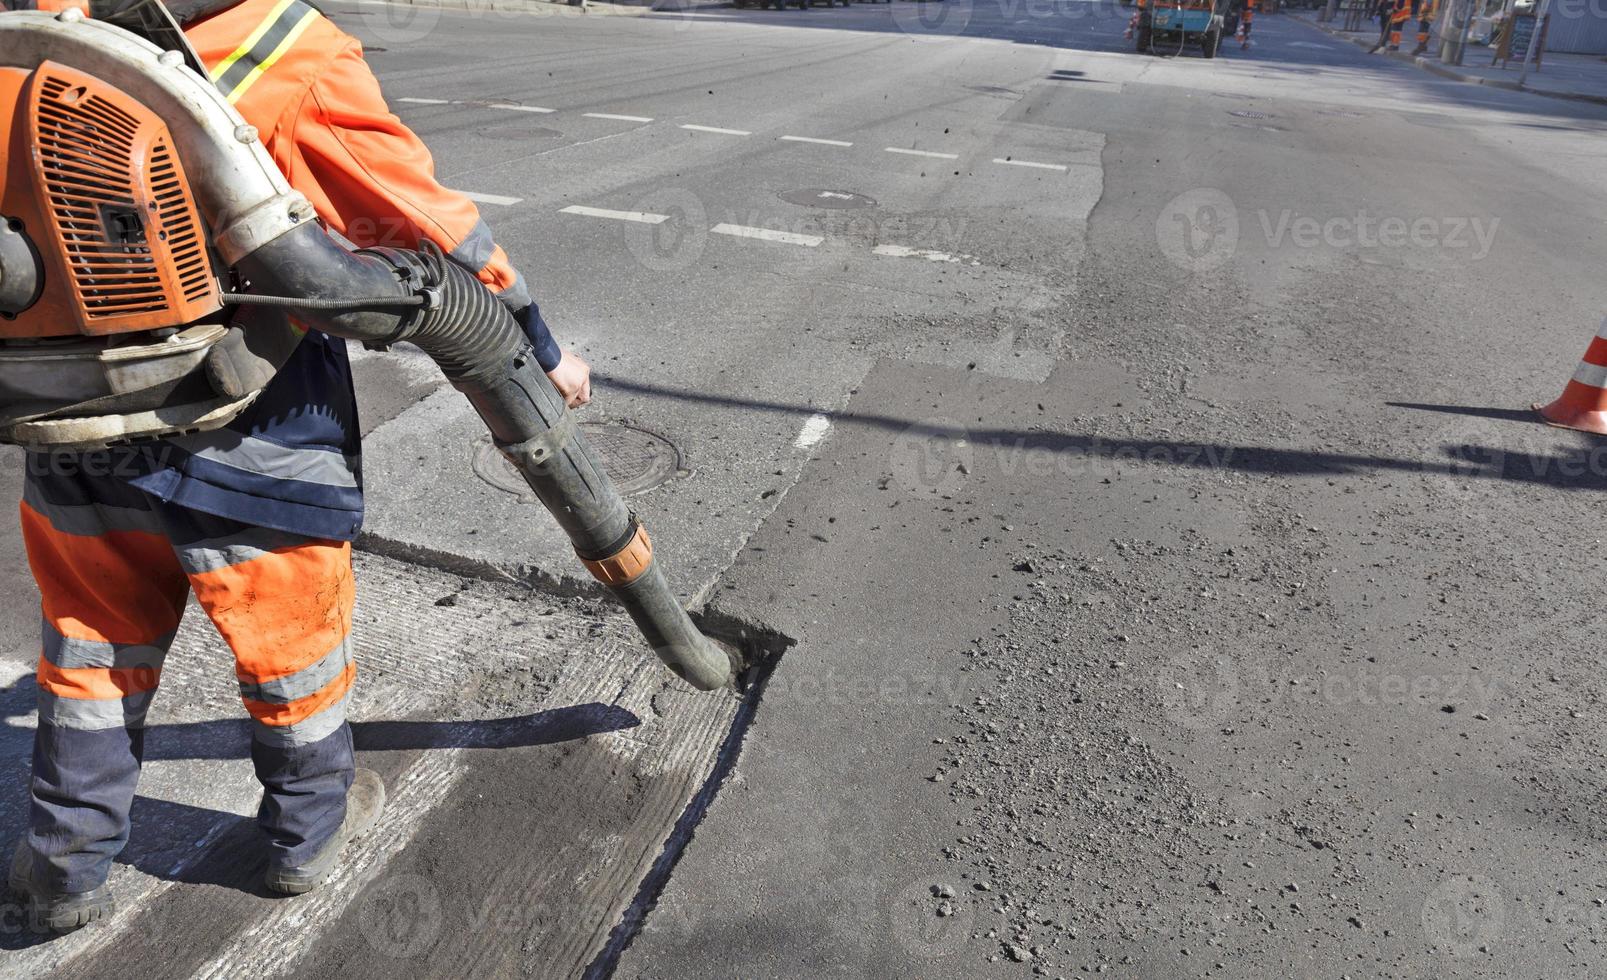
(138, 210)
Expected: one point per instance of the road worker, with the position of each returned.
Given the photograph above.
(255, 519)
(1132, 23)
(1400, 12)
(1424, 11)
(1246, 22)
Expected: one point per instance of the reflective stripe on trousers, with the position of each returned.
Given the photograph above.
(114, 567)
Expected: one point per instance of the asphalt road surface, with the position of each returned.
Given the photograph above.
(1134, 448)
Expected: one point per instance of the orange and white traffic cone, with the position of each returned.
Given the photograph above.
(1583, 404)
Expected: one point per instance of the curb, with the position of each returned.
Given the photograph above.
(1434, 67)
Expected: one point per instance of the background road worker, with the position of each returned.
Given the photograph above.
(1424, 10)
(1246, 22)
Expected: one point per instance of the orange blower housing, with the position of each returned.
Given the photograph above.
(93, 182)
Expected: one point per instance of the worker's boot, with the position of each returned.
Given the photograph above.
(364, 802)
(1421, 49)
(47, 908)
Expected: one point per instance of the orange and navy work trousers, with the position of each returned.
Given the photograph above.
(1423, 10)
(115, 567)
(1398, 16)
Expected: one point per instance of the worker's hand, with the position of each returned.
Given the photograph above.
(572, 378)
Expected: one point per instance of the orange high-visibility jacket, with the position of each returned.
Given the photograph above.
(303, 83)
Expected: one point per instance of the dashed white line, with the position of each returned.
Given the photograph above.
(814, 429)
(767, 234)
(612, 115)
(923, 153)
(645, 217)
(1028, 163)
(812, 139)
(490, 198)
(427, 101)
(716, 129)
(522, 108)
(905, 252)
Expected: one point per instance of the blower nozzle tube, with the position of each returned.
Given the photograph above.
(485, 355)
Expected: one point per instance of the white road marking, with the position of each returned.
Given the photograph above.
(923, 153)
(716, 129)
(480, 198)
(427, 101)
(767, 234)
(814, 430)
(905, 252)
(522, 108)
(811, 139)
(644, 217)
(1028, 163)
(611, 115)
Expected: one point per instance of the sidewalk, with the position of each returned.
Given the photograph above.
(1581, 77)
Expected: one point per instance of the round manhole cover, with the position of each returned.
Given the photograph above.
(819, 197)
(1248, 114)
(636, 460)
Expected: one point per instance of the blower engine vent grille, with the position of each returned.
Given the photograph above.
(183, 238)
(87, 147)
(130, 234)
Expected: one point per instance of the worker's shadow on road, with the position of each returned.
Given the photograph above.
(198, 845)
(1500, 448)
